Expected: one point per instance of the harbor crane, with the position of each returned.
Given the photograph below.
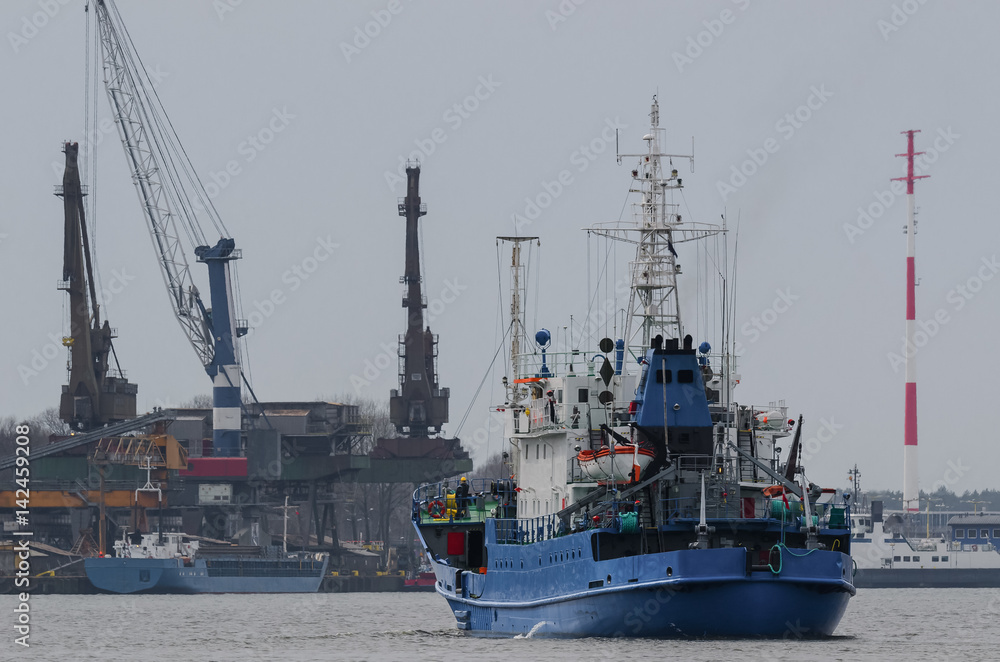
(96, 393)
(174, 202)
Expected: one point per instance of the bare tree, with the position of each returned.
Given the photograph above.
(374, 511)
(200, 401)
(494, 467)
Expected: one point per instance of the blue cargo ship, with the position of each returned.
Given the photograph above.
(637, 496)
(173, 563)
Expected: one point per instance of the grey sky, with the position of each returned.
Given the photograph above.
(534, 82)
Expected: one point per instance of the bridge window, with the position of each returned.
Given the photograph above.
(996, 533)
(944, 559)
(664, 376)
(685, 376)
(985, 533)
(895, 559)
(959, 533)
(935, 559)
(916, 558)
(906, 559)
(582, 395)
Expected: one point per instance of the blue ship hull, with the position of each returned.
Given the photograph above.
(225, 575)
(681, 593)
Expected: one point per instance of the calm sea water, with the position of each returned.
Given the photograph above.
(886, 624)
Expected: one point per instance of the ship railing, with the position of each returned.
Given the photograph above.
(690, 508)
(825, 515)
(578, 363)
(437, 503)
(557, 364)
(527, 531)
(574, 474)
(618, 516)
(536, 415)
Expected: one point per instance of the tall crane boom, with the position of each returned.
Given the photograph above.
(95, 394)
(125, 81)
(172, 197)
(420, 405)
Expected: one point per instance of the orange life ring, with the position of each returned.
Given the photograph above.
(975, 548)
(436, 509)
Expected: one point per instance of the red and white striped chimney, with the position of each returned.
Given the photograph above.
(911, 483)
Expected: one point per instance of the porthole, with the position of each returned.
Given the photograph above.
(609, 579)
(670, 571)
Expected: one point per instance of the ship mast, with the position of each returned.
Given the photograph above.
(517, 332)
(653, 301)
(911, 483)
(654, 307)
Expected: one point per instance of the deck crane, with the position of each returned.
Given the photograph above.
(173, 199)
